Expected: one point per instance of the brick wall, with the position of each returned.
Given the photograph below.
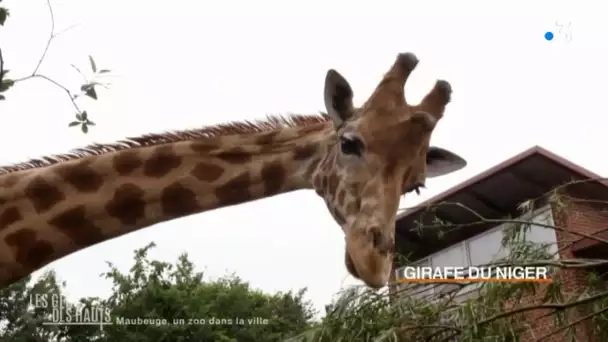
(583, 218)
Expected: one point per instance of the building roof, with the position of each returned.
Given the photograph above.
(493, 193)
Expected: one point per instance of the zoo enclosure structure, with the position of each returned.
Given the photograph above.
(495, 194)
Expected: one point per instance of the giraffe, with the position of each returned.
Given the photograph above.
(360, 160)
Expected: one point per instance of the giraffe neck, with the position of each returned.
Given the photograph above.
(50, 212)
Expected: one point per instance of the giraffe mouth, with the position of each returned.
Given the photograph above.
(368, 256)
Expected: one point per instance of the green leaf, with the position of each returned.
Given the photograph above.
(103, 71)
(74, 123)
(84, 116)
(3, 15)
(6, 84)
(2, 98)
(90, 123)
(440, 234)
(84, 128)
(4, 72)
(78, 117)
(93, 66)
(90, 92)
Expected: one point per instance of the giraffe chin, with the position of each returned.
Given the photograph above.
(366, 262)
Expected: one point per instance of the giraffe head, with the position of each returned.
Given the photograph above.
(379, 152)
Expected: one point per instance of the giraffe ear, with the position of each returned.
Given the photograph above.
(338, 98)
(440, 162)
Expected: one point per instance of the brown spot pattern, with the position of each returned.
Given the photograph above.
(236, 156)
(81, 176)
(353, 207)
(207, 172)
(29, 251)
(126, 162)
(74, 223)
(9, 181)
(341, 196)
(208, 135)
(9, 216)
(312, 167)
(325, 183)
(127, 205)
(43, 195)
(274, 177)
(267, 138)
(235, 191)
(202, 146)
(332, 183)
(177, 200)
(316, 182)
(304, 152)
(161, 162)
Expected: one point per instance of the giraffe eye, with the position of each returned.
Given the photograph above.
(351, 146)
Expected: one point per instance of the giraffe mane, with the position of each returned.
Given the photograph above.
(271, 123)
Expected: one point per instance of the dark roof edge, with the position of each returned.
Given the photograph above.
(499, 167)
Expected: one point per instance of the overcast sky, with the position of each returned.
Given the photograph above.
(184, 64)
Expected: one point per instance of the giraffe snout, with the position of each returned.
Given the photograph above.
(368, 256)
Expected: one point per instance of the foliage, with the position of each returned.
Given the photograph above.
(223, 310)
(21, 317)
(178, 304)
(89, 87)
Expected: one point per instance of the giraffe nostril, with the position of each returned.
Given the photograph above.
(376, 236)
(381, 243)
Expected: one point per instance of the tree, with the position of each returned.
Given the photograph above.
(154, 301)
(499, 311)
(21, 318)
(178, 305)
(91, 80)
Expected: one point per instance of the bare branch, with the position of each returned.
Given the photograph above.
(483, 219)
(58, 33)
(442, 328)
(83, 120)
(1, 66)
(66, 90)
(570, 325)
(554, 306)
(48, 42)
